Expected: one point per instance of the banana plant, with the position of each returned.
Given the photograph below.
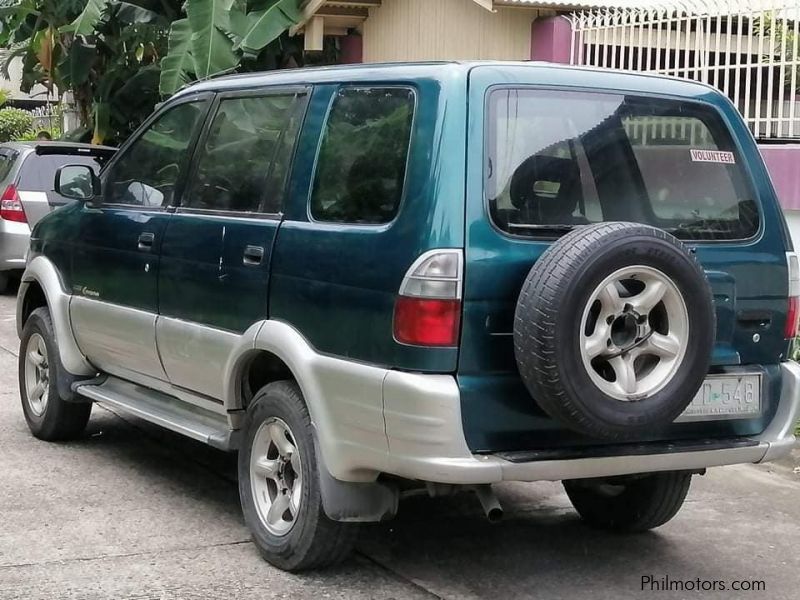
(106, 52)
(219, 36)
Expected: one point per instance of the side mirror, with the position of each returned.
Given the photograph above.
(78, 182)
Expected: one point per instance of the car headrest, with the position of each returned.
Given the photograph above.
(548, 185)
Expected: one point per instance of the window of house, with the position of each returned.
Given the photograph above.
(361, 167)
(243, 164)
(560, 159)
(149, 171)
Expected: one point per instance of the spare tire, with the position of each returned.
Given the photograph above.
(614, 329)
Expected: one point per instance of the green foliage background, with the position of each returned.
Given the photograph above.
(15, 123)
(119, 59)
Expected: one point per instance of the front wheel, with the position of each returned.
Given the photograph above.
(279, 484)
(49, 417)
(632, 503)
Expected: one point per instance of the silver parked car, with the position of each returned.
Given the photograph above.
(27, 173)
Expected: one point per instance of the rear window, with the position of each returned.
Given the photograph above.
(557, 160)
(38, 173)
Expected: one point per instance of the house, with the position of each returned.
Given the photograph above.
(409, 30)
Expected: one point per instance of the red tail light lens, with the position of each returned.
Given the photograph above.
(792, 317)
(11, 206)
(427, 322)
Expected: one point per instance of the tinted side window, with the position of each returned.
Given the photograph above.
(243, 163)
(146, 175)
(362, 161)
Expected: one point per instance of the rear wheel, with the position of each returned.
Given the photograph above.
(631, 503)
(48, 416)
(279, 485)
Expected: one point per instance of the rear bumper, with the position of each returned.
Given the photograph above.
(426, 441)
(14, 241)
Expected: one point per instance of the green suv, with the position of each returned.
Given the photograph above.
(440, 275)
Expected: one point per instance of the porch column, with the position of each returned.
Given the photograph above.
(550, 39)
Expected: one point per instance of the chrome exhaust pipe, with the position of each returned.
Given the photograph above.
(489, 502)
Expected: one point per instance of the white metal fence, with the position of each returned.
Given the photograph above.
(747, 49)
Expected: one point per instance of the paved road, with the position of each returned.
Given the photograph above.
(130, 511)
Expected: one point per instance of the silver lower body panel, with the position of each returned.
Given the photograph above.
(14, 241)
(426, 441)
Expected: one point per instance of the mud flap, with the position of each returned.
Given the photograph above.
(355, 502)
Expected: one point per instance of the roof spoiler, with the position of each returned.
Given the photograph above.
(75, 150)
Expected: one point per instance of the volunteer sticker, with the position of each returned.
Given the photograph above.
(712, 156)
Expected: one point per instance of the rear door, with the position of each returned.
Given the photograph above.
(545, 160)
(37, 177)
(217, 250)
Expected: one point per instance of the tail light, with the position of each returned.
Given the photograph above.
(428, 308)
(793, 312)
(11, 206)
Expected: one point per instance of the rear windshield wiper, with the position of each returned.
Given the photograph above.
(534, 228)
(704, 229)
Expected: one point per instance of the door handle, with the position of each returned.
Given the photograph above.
(754, 319)
(146, 241)
(253, 255)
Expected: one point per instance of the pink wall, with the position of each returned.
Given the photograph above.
(550, 39)
(783, 163)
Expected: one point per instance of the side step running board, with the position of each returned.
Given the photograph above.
(162, 409)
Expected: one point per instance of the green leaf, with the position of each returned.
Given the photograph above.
(132, 15)
(177, 65)
(212, 49)
(267, 25)
(102, 122)
(77, 64)
(88, 19)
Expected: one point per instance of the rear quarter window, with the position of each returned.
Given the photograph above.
(560, 159)
(361, 168)
(7, 159)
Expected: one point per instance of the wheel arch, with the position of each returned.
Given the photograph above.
(41, 281)
(344, 397)
(343, 429)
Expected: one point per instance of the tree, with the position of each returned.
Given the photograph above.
(120, 58)
(223, 36)
(105, 52)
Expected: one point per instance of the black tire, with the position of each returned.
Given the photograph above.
(629, 504)
(314, 541)
(59, 420)
(548, 321)
(5, 283)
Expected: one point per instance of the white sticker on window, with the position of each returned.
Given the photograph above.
(712, 156)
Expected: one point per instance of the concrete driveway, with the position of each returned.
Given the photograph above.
(131, 511)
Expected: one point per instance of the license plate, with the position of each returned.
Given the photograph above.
(725, 397)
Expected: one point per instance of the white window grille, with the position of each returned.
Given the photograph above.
(747, 49)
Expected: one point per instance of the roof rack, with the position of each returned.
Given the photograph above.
(231, 71)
